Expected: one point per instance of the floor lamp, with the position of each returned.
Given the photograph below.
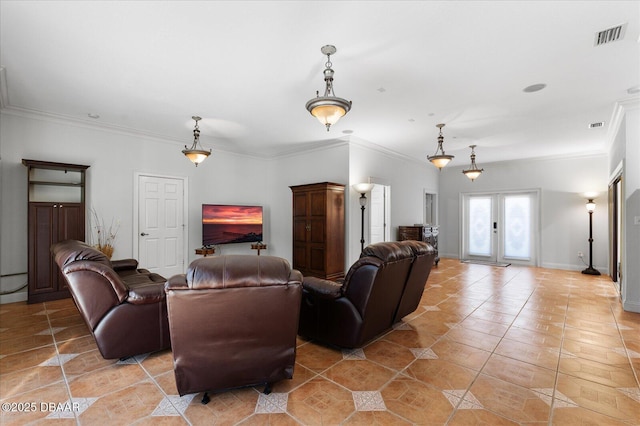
(362, 188)
(591, 206)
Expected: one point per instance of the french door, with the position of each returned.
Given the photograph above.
(500, 227)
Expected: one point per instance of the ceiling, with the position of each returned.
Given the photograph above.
(248, 69)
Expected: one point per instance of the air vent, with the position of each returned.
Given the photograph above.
(596, 125)
(610, 35)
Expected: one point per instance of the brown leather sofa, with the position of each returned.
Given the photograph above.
(123, 306)
(382, 287)
(233, 322)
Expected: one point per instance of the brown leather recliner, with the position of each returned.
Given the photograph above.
(383, 286)
(233, 322)
(123, 306)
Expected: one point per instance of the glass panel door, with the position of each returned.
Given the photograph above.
(500, 227)
(479, 234)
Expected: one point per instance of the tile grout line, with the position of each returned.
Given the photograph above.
(61, 364)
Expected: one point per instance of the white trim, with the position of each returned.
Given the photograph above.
(185, 211)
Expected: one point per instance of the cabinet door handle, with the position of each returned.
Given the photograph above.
(308, 227)
(143, 234)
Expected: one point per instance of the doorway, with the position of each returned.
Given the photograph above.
(500, 228)
(379, 212)
(160, 232)
(616, 198)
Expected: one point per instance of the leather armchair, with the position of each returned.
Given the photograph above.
(233, 322)
(383, 286)
(123, 306)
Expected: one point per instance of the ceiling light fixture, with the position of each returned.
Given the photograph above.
(440, 160)
(328, 108)
(196, 154)
(473, 172)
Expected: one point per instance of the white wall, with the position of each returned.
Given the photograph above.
(625, 149)
(114, 157)
(408, 179)
(564, 218)
(329, 164)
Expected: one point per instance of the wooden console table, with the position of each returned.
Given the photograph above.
(428, 234)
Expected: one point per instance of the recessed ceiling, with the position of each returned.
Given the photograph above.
(248, 69)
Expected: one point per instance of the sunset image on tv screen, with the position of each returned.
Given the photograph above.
(223, 224)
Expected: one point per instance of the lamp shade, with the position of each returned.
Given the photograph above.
(591, 206)
(472, 174)
(196, 156)
(363, 188)
(440, 160)
(327, 111)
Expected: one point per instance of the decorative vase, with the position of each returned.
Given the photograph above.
(106, 249)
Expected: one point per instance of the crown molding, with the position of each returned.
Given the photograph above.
(365, 144)
(619, 110)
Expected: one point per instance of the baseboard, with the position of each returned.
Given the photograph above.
(574, 267)
(631, 306)
(20, 296)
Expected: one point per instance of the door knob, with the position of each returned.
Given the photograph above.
(143, 234)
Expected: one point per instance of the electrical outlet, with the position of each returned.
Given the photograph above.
(580, 254)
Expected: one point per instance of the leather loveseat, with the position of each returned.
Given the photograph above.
(382, 287)
(123, 306)
(233, 322)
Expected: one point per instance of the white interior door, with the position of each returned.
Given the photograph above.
(161, 229)
(501, 227)
(378, 214)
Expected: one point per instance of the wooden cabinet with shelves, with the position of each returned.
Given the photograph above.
(318, 230)
(56, 212)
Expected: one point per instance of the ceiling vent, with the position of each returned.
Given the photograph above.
(610, 35)
(596, 125)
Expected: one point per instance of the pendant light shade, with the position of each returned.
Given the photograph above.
(473, 171)
(196, 154)
(440, 159)
(328, 108)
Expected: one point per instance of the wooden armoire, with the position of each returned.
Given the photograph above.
(318, 230)
(56, 212)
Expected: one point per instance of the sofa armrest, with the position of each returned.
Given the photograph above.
(176, 282)
(322, 288)
(124, 264)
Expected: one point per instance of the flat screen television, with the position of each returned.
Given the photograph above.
(228, 224)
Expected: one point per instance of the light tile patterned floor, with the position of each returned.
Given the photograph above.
(488, 345)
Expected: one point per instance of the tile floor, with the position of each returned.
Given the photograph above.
(488, 345)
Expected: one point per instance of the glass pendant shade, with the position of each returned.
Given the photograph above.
(326, 113)
(440, 160)
(328, 109)
(196, 154)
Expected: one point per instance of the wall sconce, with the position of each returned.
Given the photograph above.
(362, 188)
(196, 154)
(591, 206)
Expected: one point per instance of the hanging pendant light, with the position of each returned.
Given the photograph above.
(328, 108)
(473, 172)
(440, 160)
(196, 154)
